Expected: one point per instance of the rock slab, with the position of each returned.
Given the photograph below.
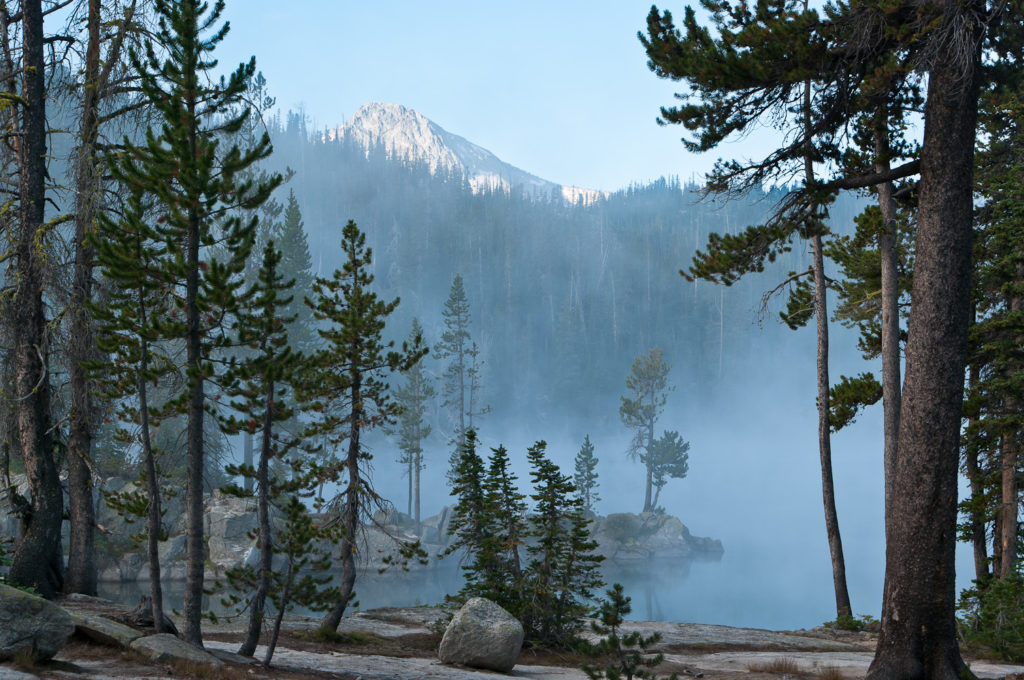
(30, 624)
(482, 635)
(105, 631)
(165, 648)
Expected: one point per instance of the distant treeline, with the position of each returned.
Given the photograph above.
(563, 296)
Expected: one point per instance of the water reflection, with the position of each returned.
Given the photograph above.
(653, 586)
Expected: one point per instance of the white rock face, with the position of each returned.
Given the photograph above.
(408, 135)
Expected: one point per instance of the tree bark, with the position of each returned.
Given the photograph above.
(37, 558)
(891, 379)
(417, 470)
(979, 540)
(828, 492)
(351, 518)
(155, 515)
(257, 607)
(1010, 494)
(81, 576)
(195, 545)
(918, 633)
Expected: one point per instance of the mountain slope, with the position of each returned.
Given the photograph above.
(408, 135)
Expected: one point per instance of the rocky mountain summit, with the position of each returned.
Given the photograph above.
(409, 135)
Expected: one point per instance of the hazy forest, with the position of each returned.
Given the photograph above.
(218, 305)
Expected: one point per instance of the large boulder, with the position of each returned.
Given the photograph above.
(482, 635)
(32, 625)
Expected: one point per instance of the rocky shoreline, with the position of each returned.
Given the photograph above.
(400, 642)
(230, 521)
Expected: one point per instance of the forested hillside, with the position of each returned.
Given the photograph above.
(562, 297)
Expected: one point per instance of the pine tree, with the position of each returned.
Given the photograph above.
(461, 378)
(648, 385)
(37, 557)
(472, 524)
(195, 187)
(347, 386)
(625, 654)
(585, 476)
(129, 252)
(668, 458)
(413, 399)
(563, 571)
(507, 509)
(258, 388)
(749, 72)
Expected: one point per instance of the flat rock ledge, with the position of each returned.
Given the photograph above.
(165, 648)
(104, 631)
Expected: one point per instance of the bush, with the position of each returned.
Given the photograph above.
(624, 656)
(991, 617)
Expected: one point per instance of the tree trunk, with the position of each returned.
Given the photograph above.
(979, 539)
(257, 607)
(195, 545)
(155, 515)
(81, 576)
(37, 558)
(286, 592)
(247, 459)
(351, 519)
(891, 379)
(828, 493)
(416, 505)
(918, 633)
(1010, 494)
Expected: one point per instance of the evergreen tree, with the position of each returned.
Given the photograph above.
(129, 252)
(195, 187)
(585, 476)
(649, 388)
(669, 458)
(258, 387)
(507, 508)
(563, 571)
(37, 558)
(461, 386)
(472, 525)
(297, 265)
(750, 70)
(624, 654)
(413, 399)
(347, 386)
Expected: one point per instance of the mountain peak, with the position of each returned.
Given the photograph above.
(409, 135)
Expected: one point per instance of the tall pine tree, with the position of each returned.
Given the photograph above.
(195, 187)
(347, 387)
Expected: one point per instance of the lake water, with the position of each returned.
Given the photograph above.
(734, 589)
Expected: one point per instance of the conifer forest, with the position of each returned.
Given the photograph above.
(257, 367)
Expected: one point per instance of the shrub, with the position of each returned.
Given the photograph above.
(624, 656)
(991, 617)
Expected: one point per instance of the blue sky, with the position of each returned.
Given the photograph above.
(560, 89)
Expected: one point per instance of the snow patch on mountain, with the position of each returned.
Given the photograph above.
(408, 135)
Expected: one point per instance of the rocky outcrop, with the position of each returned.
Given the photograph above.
(104, 631)
(165, 648)
(482, 635)
(31, 625)
(628, 537)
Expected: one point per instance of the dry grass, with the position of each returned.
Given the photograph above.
(24, 659)
(830, 673)
(782, 665)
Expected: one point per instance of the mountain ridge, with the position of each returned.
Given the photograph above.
(409, 135)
